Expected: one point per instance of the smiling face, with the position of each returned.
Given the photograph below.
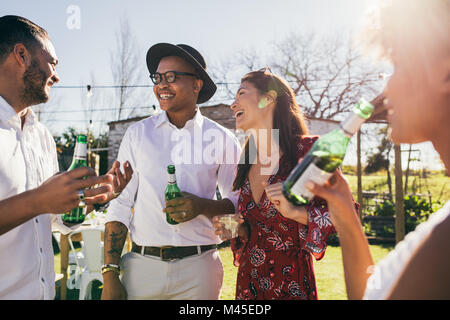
(180, 94)
(251, 109)
(40, 74)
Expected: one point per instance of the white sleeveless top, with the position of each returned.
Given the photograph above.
(387, 271)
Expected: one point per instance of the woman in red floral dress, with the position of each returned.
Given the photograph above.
(277, 240)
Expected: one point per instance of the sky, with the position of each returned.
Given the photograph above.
(84, 35)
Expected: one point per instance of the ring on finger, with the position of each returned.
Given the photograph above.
(81, 198)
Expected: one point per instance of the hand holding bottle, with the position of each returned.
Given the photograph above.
(184, 208)
(325, 156)
(274, 193)
(60, 193)
(339, 197)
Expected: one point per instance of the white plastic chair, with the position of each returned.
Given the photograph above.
(93, 250)
(75, 267)
(76, 264)
(89, 269)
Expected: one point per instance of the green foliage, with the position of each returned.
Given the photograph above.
(385, 209)
(376, 162)
(380, 159)
(417, 210)
(65, 144)
(67, 140)
(346, 169)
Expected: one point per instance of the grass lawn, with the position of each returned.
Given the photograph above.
(329, 274)
(436, 183)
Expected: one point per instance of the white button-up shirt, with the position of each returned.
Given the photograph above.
(205, 155)
(27, 158)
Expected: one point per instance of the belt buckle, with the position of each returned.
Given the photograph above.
(161, 255)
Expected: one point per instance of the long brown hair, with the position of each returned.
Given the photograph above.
(287, 118)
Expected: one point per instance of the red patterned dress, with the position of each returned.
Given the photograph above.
(276, 261)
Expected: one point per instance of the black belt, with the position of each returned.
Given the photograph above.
(169, 253)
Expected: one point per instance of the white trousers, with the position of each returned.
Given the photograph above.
(198, 277)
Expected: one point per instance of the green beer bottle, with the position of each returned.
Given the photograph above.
(172, 190)
(325, 156)
(78, 214)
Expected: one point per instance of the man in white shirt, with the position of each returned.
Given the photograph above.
(29, 188)
(172, 261)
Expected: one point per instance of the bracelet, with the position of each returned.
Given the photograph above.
(111, 267)
(105, 270)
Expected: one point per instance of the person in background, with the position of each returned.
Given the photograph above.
(171, 261)
(29, 187)
(414, 36)
(277, 240)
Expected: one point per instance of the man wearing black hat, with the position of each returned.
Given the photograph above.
(172, 261)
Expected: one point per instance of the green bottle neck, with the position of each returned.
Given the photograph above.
(79, 156)
(351, 125)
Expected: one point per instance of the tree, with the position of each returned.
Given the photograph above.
(65, 145)
(381, 158)
(327, 74)
(124, 61)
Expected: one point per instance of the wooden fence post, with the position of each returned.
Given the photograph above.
(359, 173)
(399, 205)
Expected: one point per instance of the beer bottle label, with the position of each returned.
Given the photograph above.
(172, 179)
(80, 151)
(314, 174)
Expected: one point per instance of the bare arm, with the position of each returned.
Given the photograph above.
(427, 276)
(356, 255)
(56, 195)
(356, 258)
(115, 236)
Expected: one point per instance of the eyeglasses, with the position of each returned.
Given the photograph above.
(169, 76)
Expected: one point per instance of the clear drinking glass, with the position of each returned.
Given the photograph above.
(231, 223)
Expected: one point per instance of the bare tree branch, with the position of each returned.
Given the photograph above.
(125, 58)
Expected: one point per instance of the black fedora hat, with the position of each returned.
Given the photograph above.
(192, 56)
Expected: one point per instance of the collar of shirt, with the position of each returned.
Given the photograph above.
(6, 111)
(9, 115)
(196, 120)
